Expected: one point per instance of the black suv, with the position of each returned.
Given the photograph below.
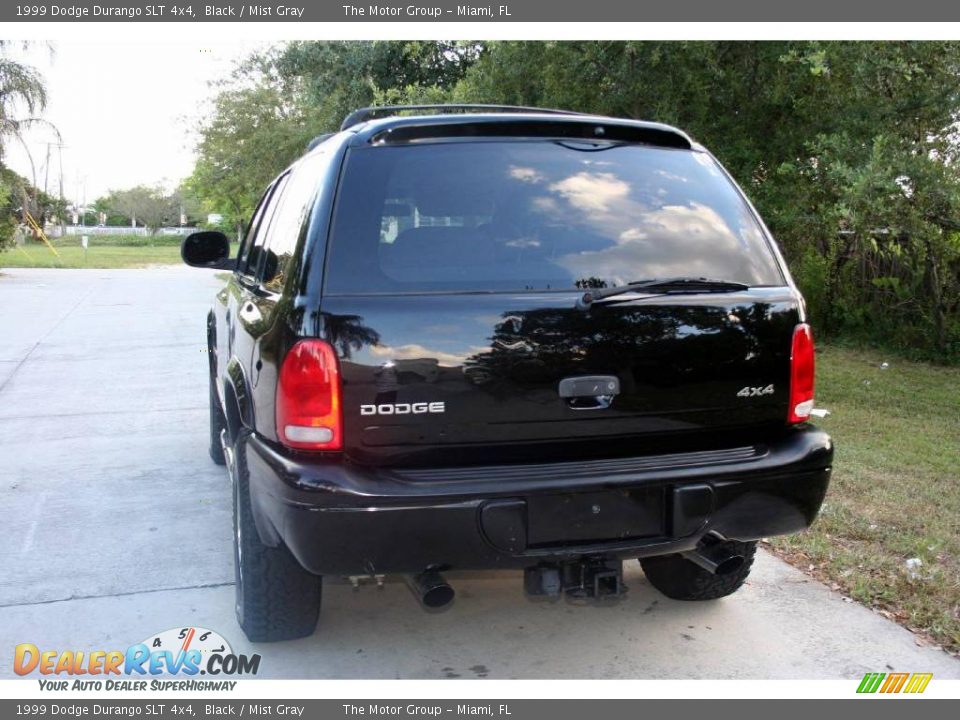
(496, 337)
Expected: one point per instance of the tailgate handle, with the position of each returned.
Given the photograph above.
(589, 392)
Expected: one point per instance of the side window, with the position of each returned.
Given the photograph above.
(244, 253)
(288, 221)
(252, 264)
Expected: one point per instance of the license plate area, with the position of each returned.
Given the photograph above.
(607, 516)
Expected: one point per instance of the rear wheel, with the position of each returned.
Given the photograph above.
(679, 579)
(217, 423)
(276, 598)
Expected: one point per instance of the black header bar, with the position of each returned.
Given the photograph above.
(500, 11)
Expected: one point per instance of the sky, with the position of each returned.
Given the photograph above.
(126, 112)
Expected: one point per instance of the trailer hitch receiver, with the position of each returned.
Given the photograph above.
(597, 578)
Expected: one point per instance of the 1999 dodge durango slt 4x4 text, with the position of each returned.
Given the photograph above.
(496, 337)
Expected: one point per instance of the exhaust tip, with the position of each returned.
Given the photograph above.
(437, 596)
(714, 559)
(431, 589)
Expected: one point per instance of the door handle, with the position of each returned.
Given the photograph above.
(589, 392)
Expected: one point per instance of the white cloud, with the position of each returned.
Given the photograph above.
(593, 192)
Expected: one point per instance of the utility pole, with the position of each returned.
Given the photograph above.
(63, 225)
(81, 204)
(46, 172)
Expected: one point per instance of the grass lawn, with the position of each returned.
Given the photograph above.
(895, 493)
(123, 251)
(111, 256)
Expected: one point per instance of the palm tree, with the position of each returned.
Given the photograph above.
(21, 88)
(23, 94)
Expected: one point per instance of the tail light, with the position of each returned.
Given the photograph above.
(308, 398)
(801, 375)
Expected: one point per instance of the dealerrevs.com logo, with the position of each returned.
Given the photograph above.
(186, 652)
(893, 683)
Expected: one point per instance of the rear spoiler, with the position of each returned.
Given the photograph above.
(573, 128)
(409, 123)
(379, 111)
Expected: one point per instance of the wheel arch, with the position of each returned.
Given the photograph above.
(237, 401)
(238, 410)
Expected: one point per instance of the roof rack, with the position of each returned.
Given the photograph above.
(369, 113)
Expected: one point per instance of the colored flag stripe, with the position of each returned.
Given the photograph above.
(894, 682)
(870, 682)
(918, 682)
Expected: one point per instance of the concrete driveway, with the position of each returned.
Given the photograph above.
(116, 526)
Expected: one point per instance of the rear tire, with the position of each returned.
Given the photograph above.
(679, 579)
(218, 422)
(276, 598)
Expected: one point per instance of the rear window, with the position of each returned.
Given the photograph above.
(537, 215)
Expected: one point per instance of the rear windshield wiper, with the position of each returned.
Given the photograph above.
(666, 286)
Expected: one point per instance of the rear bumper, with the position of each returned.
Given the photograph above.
(339, 519)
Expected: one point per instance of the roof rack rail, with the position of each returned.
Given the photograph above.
(369, 113)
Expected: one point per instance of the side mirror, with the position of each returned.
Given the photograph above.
(207, 249)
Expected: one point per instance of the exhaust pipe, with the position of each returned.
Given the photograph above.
(431, 589)
(715, 559)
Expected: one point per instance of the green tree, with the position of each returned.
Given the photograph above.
(18, 194)
(339, 77)
(251, 136)
(150, 207)
(22, 90)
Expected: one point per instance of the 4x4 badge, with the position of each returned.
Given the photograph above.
(755, 391)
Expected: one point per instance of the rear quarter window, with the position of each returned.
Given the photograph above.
(537, 215)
